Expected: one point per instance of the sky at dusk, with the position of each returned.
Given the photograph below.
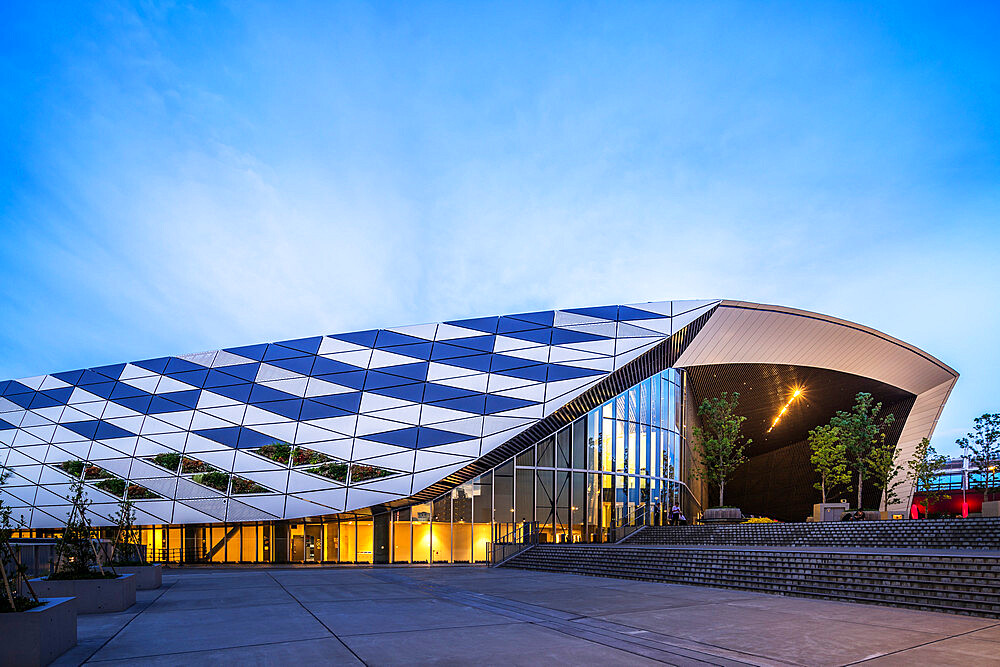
(178, 177)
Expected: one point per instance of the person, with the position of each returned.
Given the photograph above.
(675, 515)
(859, 515)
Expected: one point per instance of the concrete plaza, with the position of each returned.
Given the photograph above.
(465, 615)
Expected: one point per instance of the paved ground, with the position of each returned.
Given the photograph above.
(465, 615)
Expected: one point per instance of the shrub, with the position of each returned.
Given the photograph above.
(74, 468)
(114, 486)
(95, 472)
(276, 451)
(336, 470)
(215, 479)
(362, 473)
(241, 485)
(138, 492)
(190, 465)
(169, 460)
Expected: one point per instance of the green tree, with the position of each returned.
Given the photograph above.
(984, 443)
(829, 456)
(922, 471)
(718, 443)
(13, 574)
(862, 428)
(883, 468)
(126, 548)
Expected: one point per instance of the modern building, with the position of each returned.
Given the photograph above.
(421, 443)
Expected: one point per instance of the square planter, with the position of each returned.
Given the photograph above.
(147, 577)
(93, 596)
(40, 635)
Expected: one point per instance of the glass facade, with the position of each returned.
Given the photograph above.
(617, 464)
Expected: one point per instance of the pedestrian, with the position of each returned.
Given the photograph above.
(675, 515)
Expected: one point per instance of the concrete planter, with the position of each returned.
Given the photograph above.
(40, 635)
(722, 515)
(147, 577)
(93, 596)
(991, 508)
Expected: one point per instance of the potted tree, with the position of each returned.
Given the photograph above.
(718, 446)
(829, 456)
(77, 571)
(862, 429)
(128, 555)
(922, 473)
(984, 442)
(36, 630)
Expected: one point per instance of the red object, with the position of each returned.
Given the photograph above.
(914, 512)
(965, 510)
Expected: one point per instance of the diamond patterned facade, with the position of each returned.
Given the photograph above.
(312, 426)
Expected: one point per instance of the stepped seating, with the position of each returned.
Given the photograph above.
(962, 583)
(981, 533)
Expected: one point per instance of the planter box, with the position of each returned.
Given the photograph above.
(722, 515)
(93, 596)
(40, 635)
(828, 511)
(991, 508)
(147, 577)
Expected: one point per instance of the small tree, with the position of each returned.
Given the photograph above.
(922, 472)
(829, 456)
(861, 429)
(76, 555)
(883, 468)
(12, 572)
(984, 442)
(127, 547)
(718, 443)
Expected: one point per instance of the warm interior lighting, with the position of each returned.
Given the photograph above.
(795, 394)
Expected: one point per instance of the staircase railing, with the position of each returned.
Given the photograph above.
(507, 545)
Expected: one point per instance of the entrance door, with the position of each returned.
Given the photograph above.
(314, 544)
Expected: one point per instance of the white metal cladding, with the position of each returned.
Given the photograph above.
(420, 402)
(751, 333)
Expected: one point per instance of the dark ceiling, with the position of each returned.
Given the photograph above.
(765, 388)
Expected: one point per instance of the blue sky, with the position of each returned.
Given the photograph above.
(178, 177)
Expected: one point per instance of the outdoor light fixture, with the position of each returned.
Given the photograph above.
(795, 394)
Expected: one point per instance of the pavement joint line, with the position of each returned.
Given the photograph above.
(309, 611)
(208, 650)
(127, 623)
(910, 648)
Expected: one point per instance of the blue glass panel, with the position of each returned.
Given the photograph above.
(72, 377)
(193, 378)
(90, 377)
(86, 429)
(229, 436)
(262, 394)
(123, 390)
(481, 343)
(429, 437)
(217, 378)
(405, 392)
(475, 404)
(102, 389)
(289, 409)
(391, 338)
(176, 365)
(603, 312)
(241, 371)
(280, 352)
(5, 425)
(23, 400)
(349, 401)
(60, 394)
(188, 397)
(157, 365)
(486, 324)
(250, 439)
(448, 351)
(508, 325)
(316, 410)
(415, 371)
(404, 437)
(543, 317)
(301, 365)
(536, 373)
(249, 351)
(324, 366)
(496, 404)
(159, 405)
(237, 392)
(502, 362)
(40, 400)
(476, 362)
(417, 350)
(543, 336)
(137, 403)
(440, 392)
(352, 379)
(310, 345)
(3, 386)
(364, 338)
(112, 371)
(378, 380)
(106, 431)
(629, 313)
(14, 387)
(570, 336)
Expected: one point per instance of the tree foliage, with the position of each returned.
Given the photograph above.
(76, 555)
(984, 443)
(922, 470)
(883, 468)
(862, 429)
(718, 443)
(829, 456)
(126, 548)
